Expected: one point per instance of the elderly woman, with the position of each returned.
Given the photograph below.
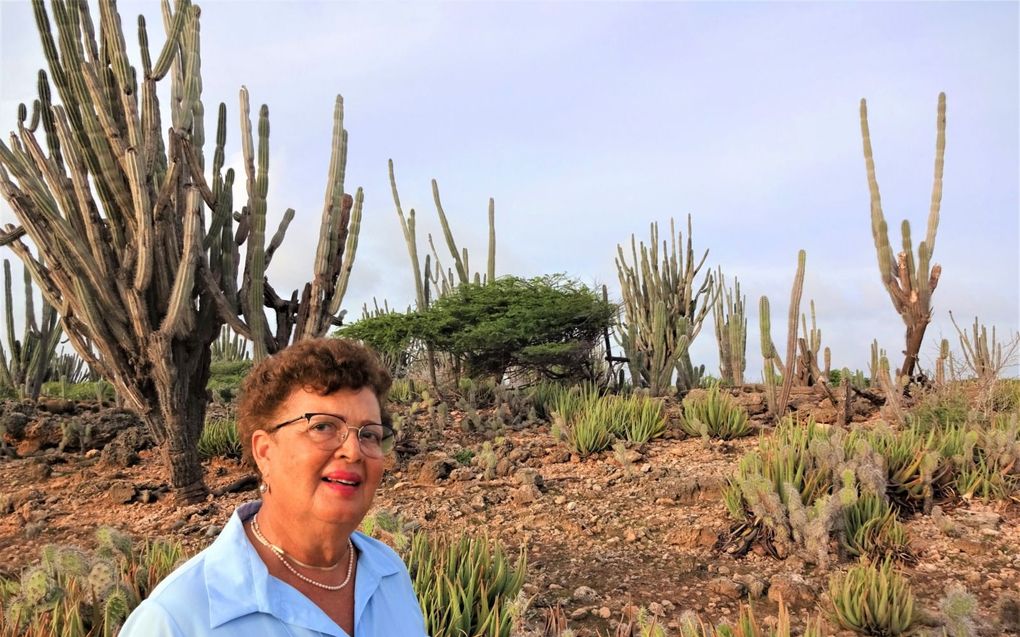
(312, 422)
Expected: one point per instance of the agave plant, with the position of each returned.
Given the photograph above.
(715, 415)
(872, 599)
(466, 586)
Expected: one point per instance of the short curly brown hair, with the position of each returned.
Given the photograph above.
(322, 365)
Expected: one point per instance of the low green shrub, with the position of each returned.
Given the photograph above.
(466, 586)
(714, 414)
(872, 599)
(226, 376)
(219, 438)
(83, 391)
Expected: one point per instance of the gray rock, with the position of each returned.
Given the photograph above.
(584, 594)
(14, 423)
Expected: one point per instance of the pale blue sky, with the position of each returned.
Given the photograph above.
(588, 121)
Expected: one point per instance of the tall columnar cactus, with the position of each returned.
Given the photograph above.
(778, 397)
(137, 248)
(663, 311)
(730, 330)
(910, 284)
(32, 357)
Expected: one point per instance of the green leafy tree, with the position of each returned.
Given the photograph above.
(545, 325)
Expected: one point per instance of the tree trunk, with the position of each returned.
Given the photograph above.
(915, 335)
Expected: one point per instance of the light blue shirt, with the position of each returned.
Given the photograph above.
(227, 591)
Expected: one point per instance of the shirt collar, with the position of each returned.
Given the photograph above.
(238, 582)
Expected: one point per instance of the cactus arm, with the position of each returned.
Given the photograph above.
(491, 269)
(407, 226)
(169, 50)
(281, 231)
(462, 274)
(936, 190)
(349, 252)
(791, 339)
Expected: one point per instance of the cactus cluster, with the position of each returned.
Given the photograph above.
(730, 330)
(663, 311)
(32, 359)
(230, 347)
(75, 594)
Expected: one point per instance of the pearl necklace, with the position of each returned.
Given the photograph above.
(279, 552)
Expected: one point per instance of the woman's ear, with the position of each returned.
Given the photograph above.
(261, 445)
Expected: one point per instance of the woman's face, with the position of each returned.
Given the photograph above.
(309, 483)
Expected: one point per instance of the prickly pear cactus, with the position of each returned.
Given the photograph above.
(112, 543)
(37, 586)
(103, 576)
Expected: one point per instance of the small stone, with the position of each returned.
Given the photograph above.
(528, 476)
(146, 497)
(122, 493)
(478, 502)
(526, 494)
(584, 594)
(560, 499)
(504, 467)
(791, 588)
(725, 587)
(571, 506)
(723, 569)
(630, 536)
(462, 474)
(579, 613)
(605, 613)
(213, 530)
(656, 609)
(92, 453)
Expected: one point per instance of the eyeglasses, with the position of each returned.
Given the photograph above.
(329, 431)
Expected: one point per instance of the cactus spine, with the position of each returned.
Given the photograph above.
(910, 285)
(663, 311)
(116, 212)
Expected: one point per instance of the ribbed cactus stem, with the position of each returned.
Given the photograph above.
(791, 338)
(491, 269)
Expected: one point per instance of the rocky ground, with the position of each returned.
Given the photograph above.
(603, 536)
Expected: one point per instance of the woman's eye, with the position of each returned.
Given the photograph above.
(371, 435)
(322, 427)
